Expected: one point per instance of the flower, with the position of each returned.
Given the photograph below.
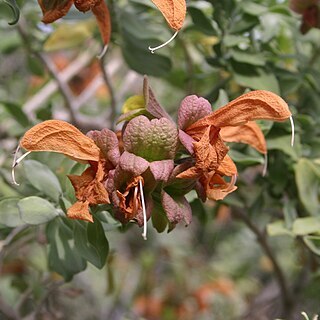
(204, 132)
(54, 10)
(310, 10)
(101, 152)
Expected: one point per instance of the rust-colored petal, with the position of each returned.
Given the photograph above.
(80, 211)
(90, 185)
(54, 9)
(217, 188)
(101, 12)
(254, 105)
(62, 137)
(227, 167)
(174, 11)
(249, 133)
(85, 5)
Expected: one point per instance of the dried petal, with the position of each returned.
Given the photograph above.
(62, 137)
(217, 188)
(299, 6)
(101, 12)
(192, 108)
(80, 210)
(251, 106)
(249, 133)
(54, 9)
(227, 167)
(153, 140)
(174, 11)
(85, 5)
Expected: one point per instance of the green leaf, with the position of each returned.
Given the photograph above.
(307, 225)
(63, 257)
(254, 77)
(278, 228)
(308, 181)
(15, 10)
(35, 210)
(43, 179)
(253, 8)
(9, 213)
(246, 159)
(91, 242)
(283, 144)
(16, 111)
(201, 21)
(256, 59)
(313, 243)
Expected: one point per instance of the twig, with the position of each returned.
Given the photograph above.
(113, 101)
(261, 238)
(63, 87)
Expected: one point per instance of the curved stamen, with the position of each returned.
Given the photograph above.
(265, 165)
(103, 52)
(144, 234)
(164, 44)
(292, 130)
(15, 163)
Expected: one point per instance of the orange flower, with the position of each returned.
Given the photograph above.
(231, 123)
(100, 152)
(56, 9)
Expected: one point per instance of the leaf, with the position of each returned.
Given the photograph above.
(308, 181)
(60, 136)
(201, 21)
(283, 144)
(313, 243)
(35, 210)
(256, 59)
(91, 242)
(9, 213)
(16, 111)
(43, 179)
(174, 11)
(133, 103)
(69, 35)
(278, 228)
(15, 10)
(63, 257)
(307, 225)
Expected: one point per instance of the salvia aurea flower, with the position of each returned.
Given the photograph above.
(174, 11)
(147, 171)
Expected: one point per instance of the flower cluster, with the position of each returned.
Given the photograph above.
(148, 169)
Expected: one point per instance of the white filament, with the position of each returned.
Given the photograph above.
(103, 52)
(144, 233)
(15, 163)
(164, 44)
(292, 130)
(265, 165)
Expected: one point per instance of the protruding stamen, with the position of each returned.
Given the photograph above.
(265, 165)
(292, 130)
(15, 163)
(144, 234)
(103, 52)
(164, 44)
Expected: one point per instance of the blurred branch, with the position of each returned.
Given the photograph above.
(46, 61)
(113, 101)
(8, 311)
(279, 274)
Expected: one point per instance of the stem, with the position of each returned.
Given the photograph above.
(113, 101)
(46, 61)
(261, 238)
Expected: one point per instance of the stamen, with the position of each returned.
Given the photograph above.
(265, 165)
(164, 44)
(144, 234)
(15, 163)
(103, 52)
(135, 200)
(292, 130)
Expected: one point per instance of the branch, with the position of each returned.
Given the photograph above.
(261, 238)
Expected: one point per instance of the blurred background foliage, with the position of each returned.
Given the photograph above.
(253, 256)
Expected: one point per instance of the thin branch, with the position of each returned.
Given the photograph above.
(113, 101)
(279, 274)
(46, 61)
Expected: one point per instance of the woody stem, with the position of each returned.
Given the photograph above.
(278, 272)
